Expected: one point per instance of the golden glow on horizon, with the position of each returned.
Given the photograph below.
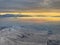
(43, 14)
(48, 13)
(8, 13)
(44, 18)
(33, 13)
(37, 19)
(49, 16)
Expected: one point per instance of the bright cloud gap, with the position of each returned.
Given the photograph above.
(31, 14)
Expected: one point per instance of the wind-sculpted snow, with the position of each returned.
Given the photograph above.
(14, 36)
(21, 35)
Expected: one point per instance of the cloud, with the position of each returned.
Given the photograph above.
(12, 15)
(55, 4)
(29, 4)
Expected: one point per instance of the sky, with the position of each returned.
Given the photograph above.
(49, 9)
(29, 4)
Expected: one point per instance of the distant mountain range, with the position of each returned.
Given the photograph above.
(11, 15)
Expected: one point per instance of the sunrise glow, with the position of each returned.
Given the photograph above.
(33, 13)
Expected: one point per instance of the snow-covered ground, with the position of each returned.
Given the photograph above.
(14, 32)
(12, 36)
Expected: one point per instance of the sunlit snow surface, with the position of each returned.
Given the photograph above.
(14, 32)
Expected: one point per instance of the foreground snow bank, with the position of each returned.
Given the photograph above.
(15, 35)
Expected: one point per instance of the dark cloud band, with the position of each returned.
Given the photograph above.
(29, 4)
